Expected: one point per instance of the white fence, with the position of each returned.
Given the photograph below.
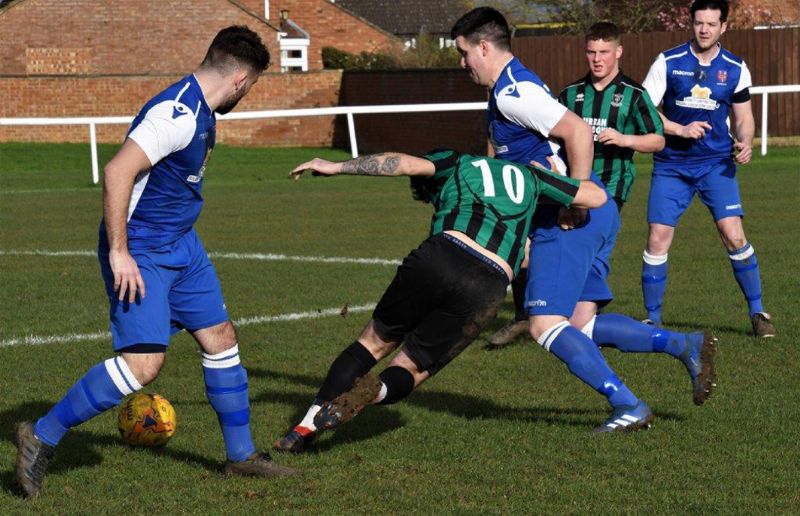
(349, 111)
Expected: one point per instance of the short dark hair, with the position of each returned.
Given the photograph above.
(422, 188)
(606, 31)
(716, 5)
(234, 47)
(483, 23)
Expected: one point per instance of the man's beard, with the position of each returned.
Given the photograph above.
(230, 102)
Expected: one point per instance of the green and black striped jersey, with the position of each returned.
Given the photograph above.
(622, 105)
(491, 200)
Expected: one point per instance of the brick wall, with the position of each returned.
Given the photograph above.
(328, 25)
(124, 96)
(116, 38)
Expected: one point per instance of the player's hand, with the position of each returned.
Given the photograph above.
(127, 278)
(317, 166)
(742, 153)
(553, 167)
(695, 130)
(570, 218)
(613, 137)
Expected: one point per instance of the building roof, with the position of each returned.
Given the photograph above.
(407, 17)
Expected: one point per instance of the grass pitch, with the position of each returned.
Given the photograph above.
(495, 432)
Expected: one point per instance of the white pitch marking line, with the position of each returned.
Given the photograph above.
(36, 340)
(269, 257)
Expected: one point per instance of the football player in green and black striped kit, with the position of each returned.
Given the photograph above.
(623, 120)
(446, 290)
(621, 114)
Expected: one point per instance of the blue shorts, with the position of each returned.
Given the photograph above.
(570, 266)
(673, 188)
(181, 291)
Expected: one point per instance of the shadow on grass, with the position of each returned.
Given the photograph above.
(79, 448)
(458, 405)
(688, 326)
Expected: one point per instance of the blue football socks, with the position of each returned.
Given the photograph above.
(226, 389)
(585, 360)
(631, 336)
(100, 389)
(745, 270)
(654, 284)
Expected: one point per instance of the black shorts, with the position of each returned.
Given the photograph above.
(439, 301)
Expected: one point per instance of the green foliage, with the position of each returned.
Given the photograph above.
(333, 58)
(494, 433)
(424, 54)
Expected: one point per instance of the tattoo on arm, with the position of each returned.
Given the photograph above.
(372, 165)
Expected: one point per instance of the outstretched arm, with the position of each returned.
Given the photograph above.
(589, 196)
(384, 164)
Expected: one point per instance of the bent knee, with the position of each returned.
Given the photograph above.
(541, 324)
(144, 366)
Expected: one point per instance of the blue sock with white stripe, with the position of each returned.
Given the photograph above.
(745, 270)
(585, 360)
(226, 389)
(100, 389)
(654, 284)
(631, 336)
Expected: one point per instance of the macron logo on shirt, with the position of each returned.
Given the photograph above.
(179, 110)
(511, 90)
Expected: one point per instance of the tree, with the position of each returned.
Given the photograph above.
(578, 15)
(630, 15)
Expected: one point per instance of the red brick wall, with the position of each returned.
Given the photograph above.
(116, 38)
(124, 96)
(328, 25)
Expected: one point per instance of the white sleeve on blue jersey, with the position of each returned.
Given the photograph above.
(656, 81)
(745, 81)
(533, 107)
(159, 135)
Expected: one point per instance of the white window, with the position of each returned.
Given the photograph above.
(294, 48)
(294, 55)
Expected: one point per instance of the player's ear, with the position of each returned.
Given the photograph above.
(484, 46)
(619, 51)
(239, 78)
(724, 27)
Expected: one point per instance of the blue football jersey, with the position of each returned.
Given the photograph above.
(522, 112)
(691, 92)
(176, 130)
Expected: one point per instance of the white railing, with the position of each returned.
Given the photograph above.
(765, 91)
(349, 111)
(92, 122)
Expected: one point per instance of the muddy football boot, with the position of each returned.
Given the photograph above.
(698, 357)
(33, 455)
(259, 464)
(295, 441)
(762, 325)
(347, 405)
(508, 334)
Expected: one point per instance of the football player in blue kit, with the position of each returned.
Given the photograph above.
(157, 274)
(569, 251)
(700, 84)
